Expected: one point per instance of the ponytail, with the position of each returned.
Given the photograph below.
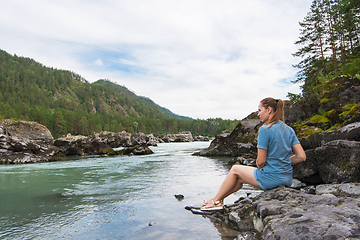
(277, 106)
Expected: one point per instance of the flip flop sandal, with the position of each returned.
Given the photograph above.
(214, 207)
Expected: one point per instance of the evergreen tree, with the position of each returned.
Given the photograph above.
(329, 40)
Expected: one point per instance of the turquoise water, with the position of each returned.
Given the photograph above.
(114, 197)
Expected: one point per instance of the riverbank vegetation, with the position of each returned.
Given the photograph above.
(65, 102)
(329, 44)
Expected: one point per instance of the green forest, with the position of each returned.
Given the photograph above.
(65, 102)
(329, 43)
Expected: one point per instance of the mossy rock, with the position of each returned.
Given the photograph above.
(303, 131)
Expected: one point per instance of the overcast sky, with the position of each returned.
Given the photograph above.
(198, 58)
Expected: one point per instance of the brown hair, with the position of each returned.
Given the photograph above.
(277, 106)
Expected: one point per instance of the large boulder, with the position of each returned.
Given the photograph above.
(178, 137)
(350, 132)
(335, 162)
(285, 213)
(114, 140)
(138, 139)
(136, 150)
(14, 150)
(240, 142)
(201, 139)
(28, 130)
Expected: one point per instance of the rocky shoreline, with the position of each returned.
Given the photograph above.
(332, 211)
(29, 142)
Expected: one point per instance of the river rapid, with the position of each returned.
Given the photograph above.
(115, 197)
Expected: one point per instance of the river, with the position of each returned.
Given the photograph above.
(114, 197)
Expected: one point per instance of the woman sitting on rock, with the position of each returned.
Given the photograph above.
(276, 142)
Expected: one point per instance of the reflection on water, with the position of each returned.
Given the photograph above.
(114, 197)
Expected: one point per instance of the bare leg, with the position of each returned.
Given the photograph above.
(238, 175)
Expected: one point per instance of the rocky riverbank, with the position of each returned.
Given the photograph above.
(30, 142)
(332, 211)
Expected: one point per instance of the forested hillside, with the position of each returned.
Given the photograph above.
(67, 103)
(123, 91)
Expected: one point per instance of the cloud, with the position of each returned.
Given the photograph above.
(197, 58)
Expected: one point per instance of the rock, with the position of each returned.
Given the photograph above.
(332, 95)
(285, 213)
(136, 150)
(97, 148)
(296, 184)
(138, 139)
(201, 139)
(243, 161)
(335, 162)
(340, 190)
(3, 131)
(19, 150)
(349, 132)
(21, 158)
(179, 197)
(240, 142)
(74, 151)
(179, 137)
(28, 130)
(151, 140)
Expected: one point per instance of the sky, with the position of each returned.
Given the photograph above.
(198, 58)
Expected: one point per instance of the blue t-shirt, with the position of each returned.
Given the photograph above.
(278, 141)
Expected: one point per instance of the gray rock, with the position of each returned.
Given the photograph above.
(335, 162)
(74, 151)
(285, 213)
(241, 142)
(136, 150)
(201, 139)
(350, 132)
(29, 130)
(340, 190)
(151, 140)
(138, 139)
(179, 137)
(297, 184)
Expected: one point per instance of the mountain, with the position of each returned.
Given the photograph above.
(122, 90)
(65, 102)
(165, 110)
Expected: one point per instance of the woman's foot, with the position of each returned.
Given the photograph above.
(212, 205)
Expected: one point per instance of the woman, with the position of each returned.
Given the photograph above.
(276, 142)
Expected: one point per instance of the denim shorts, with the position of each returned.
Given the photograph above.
(269, 180)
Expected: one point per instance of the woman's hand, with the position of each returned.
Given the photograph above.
(261, 158)
(299, 155)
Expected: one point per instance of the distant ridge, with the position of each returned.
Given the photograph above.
(165, 110)
(122, 90)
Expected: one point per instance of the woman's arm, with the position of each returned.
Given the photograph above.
(261, 158)
(299, 155)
